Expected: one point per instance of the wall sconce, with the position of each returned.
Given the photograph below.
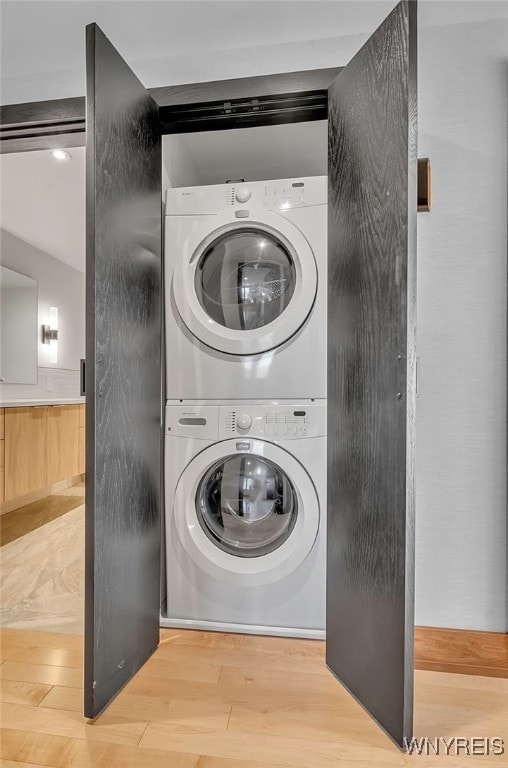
(50, 334)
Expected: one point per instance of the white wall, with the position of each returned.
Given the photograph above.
(262, 152)
(461, 578)
(58, 285)
(178, 167)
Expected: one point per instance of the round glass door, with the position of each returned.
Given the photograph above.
(245, 279)
(246, 505)
(247, 286)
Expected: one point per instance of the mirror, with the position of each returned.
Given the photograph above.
(18, 328)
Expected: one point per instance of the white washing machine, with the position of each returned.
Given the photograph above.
(245, 271)
(245, 517)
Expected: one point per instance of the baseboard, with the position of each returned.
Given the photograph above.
(40, 493)
(242, 629)
(463, 651)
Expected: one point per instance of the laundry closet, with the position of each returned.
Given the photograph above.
(248, 265)
(245, 261)
(224, 382)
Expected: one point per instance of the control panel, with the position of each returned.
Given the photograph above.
(284, 422)
(263, 421)
(285, 194)
(275, 195)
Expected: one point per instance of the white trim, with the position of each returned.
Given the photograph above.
(258, 340)
(246, 571)
(245, 629)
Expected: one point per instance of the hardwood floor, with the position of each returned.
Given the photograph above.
(208, 700)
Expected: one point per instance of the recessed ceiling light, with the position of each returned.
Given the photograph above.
(60, 154)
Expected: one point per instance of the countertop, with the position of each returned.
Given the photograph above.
(20, 403)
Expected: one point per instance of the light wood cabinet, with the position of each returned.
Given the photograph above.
(82, 439)
(62, 442)
(2, 455)
(25, 450)
(42, 446)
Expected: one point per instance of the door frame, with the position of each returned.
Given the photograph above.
(243, 102)
(216, 105)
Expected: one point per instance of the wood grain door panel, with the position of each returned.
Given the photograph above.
(371, 372)
(123, 374)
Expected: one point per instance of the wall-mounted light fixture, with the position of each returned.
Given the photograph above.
(50, 334)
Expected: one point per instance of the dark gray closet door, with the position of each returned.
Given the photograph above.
(123, 374)
(371, 372)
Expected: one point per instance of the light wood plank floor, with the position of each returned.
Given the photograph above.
(209, 700)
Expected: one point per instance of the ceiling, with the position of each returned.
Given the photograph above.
(11, 279)
(42, 41)
(183, 41)
(42, 201)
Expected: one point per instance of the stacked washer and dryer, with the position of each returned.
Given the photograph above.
(245, 423)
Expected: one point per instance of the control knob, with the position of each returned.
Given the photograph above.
(243, 421)
(243, 194)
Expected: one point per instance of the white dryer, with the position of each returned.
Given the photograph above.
(245, 516)
(245, 271)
